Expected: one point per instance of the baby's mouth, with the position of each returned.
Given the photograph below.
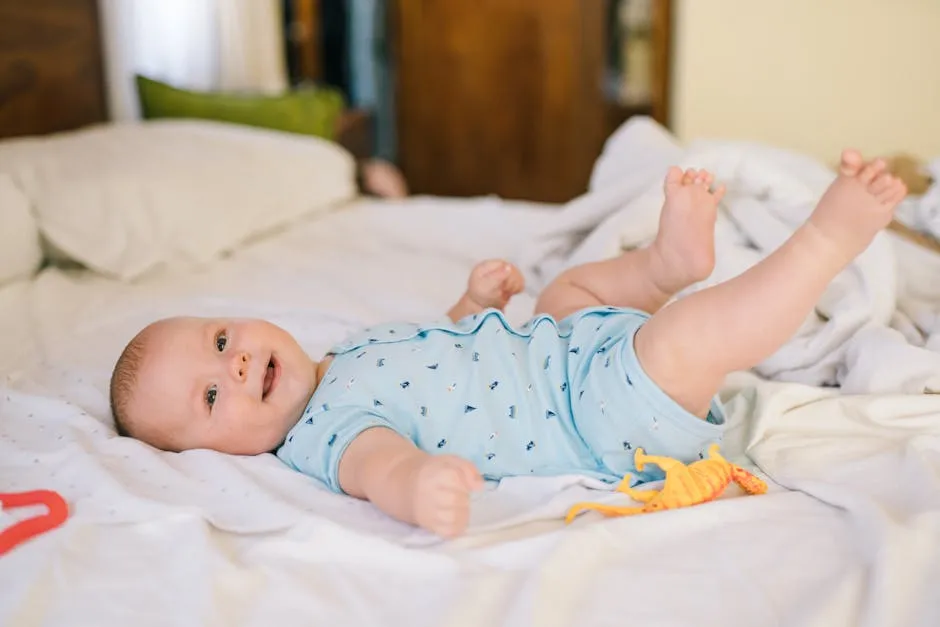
(271, 375)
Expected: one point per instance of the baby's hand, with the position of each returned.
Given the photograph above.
(493, 282)
(442, 488)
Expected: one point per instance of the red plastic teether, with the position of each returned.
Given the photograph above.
(25, 529)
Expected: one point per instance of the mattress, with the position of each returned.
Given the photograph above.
(849, 533)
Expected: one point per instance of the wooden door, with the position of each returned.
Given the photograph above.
(499, 96)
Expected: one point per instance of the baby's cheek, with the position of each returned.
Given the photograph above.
(244, 416)
(271, 423)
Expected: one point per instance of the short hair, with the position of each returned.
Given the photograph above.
(124, 381)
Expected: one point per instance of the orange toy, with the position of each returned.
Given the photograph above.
(699, 482)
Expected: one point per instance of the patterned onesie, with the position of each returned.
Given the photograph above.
(545, 399)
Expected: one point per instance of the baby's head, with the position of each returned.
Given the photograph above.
(235, 386)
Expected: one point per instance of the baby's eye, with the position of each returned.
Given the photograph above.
(221, 341)
(211, 395)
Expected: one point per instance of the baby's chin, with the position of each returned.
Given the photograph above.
(268, 442)
(258, 443)
(251, 439)
(243, 442)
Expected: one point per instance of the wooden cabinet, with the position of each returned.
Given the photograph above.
(501, 96)
(51, 77)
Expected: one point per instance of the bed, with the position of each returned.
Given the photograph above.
(848, 534)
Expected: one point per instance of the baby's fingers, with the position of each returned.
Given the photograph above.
(451, 522)
(492, 267)
(515, 283)
(469, 474)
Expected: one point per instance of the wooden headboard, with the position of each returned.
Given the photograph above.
(51, 73)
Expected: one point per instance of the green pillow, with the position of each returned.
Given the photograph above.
(308, 111)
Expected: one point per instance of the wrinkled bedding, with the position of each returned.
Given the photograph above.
(849, 533)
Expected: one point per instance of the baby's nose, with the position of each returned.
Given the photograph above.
(240, 366)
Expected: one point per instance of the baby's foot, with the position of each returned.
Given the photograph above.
(858, 204)
(684, 250)
(442, 488)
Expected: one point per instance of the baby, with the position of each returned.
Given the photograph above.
(414, 417)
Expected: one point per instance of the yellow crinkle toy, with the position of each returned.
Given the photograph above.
(699, 482)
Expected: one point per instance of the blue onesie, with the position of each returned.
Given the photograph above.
(545, 399)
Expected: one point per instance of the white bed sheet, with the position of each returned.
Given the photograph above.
(849, 534)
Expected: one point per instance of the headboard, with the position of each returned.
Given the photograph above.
(51, 74)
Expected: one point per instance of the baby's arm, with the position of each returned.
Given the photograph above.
(492, 283)
(432, 491)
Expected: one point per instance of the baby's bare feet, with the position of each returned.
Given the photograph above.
(858, 204)
(442, 488)
(684, 250)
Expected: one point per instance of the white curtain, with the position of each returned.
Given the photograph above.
(224, 45)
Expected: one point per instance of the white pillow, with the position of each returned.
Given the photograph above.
(126, 199)
(20, 252)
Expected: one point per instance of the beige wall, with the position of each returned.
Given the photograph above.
(812, 75)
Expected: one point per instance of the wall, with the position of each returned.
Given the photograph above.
(812, 75)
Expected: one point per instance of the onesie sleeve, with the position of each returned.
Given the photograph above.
(316, 444)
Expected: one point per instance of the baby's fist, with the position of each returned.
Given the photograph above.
(493, 282)
(442, 487)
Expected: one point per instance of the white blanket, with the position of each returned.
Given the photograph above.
(202, 538)
(923, 213)
(877, 328)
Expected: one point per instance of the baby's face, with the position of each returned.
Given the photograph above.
(235, 386)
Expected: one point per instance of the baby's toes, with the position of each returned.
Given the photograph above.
(689, 177)
(894, 194)
(702, 196)
(719, 193)
(882, 183)
(871, 171)
(851, 162)
(673, 178)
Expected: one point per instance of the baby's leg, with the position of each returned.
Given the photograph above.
(645, 279)
(690, 346)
